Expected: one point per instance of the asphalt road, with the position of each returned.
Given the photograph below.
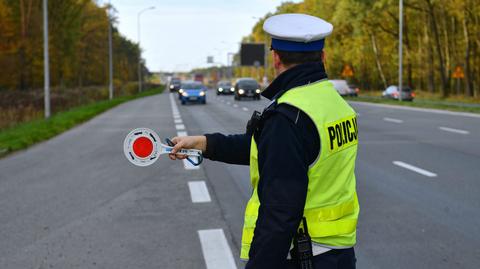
(75, 201)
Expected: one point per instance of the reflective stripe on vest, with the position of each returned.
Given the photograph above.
(331, 207)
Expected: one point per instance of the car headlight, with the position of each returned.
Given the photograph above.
(257, 90)
(180, 91)
(232, 89)
(202, 93)
(171, 86)
(241, 91)
(220, 89)
(184, 94)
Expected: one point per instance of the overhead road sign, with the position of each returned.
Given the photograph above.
(252, 54)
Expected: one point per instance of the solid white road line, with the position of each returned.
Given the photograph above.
(415, 169)
(452, 130)
(179, 120)
(393, 120)
(245, 109)
(216, 251)
(199, 192)
(180, 126)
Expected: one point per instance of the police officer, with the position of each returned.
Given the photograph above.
(301, 151)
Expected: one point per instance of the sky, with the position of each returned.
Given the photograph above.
(178, 35)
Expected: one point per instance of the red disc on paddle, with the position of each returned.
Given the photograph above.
(142, 147)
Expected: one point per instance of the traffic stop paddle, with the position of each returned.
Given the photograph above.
(142, 147)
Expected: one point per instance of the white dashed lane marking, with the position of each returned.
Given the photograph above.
(244, 109)
(415, 169)
(180, 126)
(452, 130)
(235, 105)
(181, 131)
(199, 192)
(393, 120)
(215, 248)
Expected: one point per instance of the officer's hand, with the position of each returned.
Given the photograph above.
(187, 142)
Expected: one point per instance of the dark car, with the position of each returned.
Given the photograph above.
(247, 87)
(225, 87)
(392, 93)
(193, 92)
(174, 84)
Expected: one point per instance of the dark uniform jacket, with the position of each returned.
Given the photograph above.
(288, 143)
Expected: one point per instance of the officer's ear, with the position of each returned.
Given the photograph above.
(324, 57)
(277, 62)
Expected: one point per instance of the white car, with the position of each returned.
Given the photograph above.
(343, 88)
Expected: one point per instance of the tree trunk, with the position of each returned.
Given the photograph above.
(468, 79)
(377, 60)
(447, 46)
(441, 66)
(431, 63)
(421, 63)
(408, 59)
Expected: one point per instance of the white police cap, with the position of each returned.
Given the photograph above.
(297, 32)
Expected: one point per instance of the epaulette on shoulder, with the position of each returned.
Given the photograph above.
(291, 112)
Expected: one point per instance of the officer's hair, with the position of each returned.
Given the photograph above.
(289, 57)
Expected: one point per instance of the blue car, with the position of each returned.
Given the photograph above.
(192, 92)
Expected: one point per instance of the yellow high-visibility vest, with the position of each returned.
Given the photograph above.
(331, 207)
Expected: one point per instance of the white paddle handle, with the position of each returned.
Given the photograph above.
(189, 152)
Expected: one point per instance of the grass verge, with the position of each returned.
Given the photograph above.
(26, 134)
(420, 103)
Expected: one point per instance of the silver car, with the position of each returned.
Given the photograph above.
(392, 93)
(343, 88)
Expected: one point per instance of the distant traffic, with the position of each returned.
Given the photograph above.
(194, 90)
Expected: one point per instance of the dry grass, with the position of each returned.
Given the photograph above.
(24, 106)
(28, 133)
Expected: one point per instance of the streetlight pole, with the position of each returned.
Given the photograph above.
(46, 60)
(110, 53)
(265, 65)
(265, 60)
(220, 62)
(400, 51)
(140, 49)
(230, 56)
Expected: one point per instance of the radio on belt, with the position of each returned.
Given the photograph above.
(142, 147)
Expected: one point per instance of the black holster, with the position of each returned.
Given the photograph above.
(254, 123)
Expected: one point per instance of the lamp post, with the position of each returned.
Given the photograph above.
(230, 56)
(110, 53)
(46, 68)
(139, 48)
(400, 50)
